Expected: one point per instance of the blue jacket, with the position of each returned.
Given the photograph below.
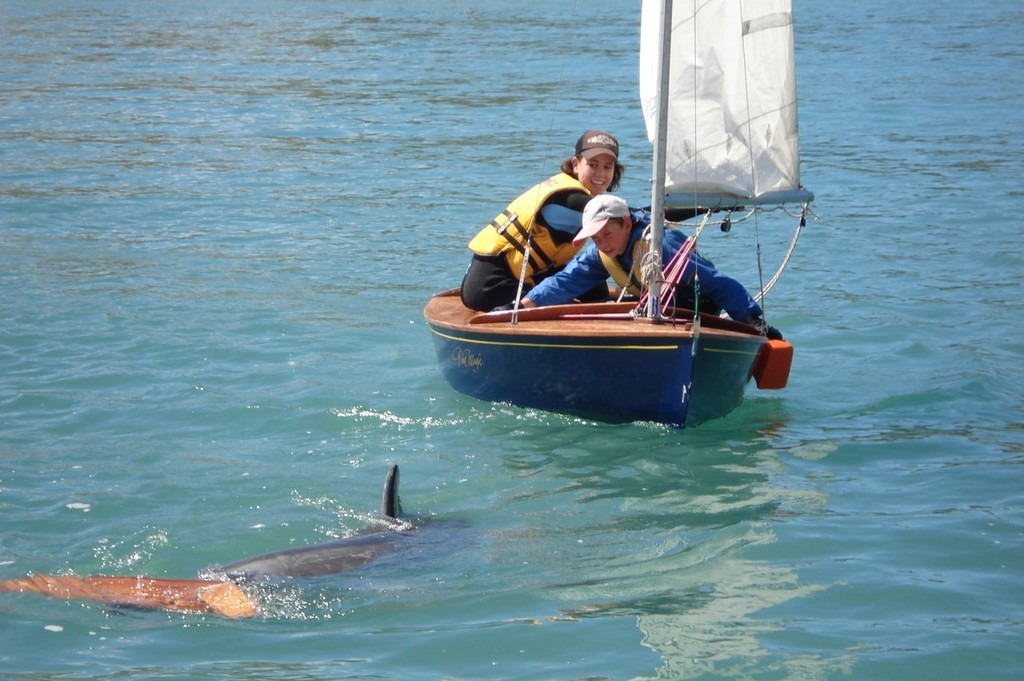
(585, 271)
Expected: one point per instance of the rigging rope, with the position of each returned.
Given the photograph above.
(514, 319)
(672, 273)
(753, 175)
(802, 215)
(785, 260)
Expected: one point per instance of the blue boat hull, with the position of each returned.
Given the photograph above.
(607, 367)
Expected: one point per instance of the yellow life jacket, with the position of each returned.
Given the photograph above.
(508, 232)
(633, 281)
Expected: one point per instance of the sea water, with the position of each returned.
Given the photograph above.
(219, 223)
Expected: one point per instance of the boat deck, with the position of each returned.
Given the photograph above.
(578, 320)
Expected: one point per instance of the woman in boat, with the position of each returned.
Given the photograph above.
(542, 221)
(616, 252)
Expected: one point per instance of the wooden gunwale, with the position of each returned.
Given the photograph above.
(577, 320)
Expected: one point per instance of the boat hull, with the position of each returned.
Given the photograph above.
(593, 361)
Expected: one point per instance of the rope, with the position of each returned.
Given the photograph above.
(673, 271)
(789, 253)
(750, 157)
(522, 275)
(554, 111)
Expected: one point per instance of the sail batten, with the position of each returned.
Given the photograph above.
(732, 120)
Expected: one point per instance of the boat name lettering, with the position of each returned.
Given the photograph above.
(468, 359)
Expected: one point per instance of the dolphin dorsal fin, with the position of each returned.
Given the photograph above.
(391, 503)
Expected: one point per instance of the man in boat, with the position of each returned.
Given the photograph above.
(617, 252)
(542, 222)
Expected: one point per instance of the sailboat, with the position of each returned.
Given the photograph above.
(718, 92)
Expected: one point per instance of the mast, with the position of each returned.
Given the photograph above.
(658, 177)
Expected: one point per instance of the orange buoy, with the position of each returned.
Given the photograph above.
(771, 368)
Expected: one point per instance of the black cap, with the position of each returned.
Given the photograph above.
(595, 142)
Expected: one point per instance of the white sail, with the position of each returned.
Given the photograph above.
(732, 115)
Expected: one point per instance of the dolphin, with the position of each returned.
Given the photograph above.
(330, 557)
(224, 596)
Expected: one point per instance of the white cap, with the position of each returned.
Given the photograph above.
(598, 212)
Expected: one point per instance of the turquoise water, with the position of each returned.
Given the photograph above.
(220, 222)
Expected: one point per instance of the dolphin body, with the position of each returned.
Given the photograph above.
(223, 596)
(330, 557)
